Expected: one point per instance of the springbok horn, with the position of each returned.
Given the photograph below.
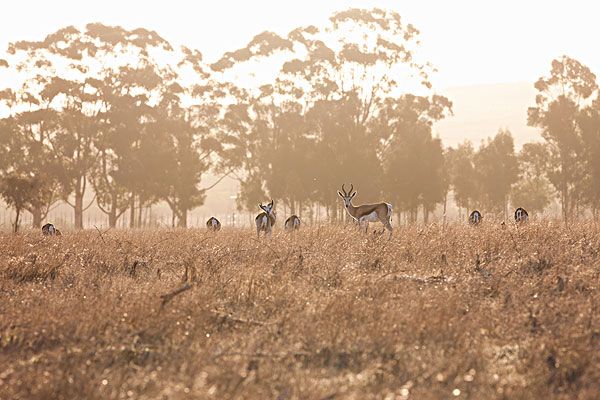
(351, 189)
(344, 190)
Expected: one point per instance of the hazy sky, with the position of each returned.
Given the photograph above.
(470, 42)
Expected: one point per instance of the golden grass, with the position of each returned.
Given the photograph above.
(326, 313)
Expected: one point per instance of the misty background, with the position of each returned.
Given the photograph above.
(132, 129)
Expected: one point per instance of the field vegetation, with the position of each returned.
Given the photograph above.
(327, 313)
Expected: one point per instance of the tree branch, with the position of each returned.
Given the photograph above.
(89, 205)
(218, 181)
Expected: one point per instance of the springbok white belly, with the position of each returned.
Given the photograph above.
(372, 217)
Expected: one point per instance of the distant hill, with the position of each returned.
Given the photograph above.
(480, 110)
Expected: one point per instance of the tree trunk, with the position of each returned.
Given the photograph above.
(182, 223)
(37, 217)
(445, 207)
(140, 212)
(112, 218)
(17, 218)
(78, 209)
(132, 211)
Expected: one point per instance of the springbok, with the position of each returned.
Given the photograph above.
(213, 224)
(366, 213)
(265, 220)
(521, 215)
(475, 218)
(292, 223)
(50, 230)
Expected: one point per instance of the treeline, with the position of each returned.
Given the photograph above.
(133, 119)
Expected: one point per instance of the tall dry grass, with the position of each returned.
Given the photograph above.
(327, 313)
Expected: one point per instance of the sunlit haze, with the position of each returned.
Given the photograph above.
(470, 42)
(284, 90)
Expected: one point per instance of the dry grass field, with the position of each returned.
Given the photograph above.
(327, 313)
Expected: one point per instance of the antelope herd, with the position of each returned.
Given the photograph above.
(363, 214)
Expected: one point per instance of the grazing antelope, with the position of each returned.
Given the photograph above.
(50, 230)
(292, 223)
(213, 224)
(265, 220)
(475, 218)
(521, 215)
(366, 213)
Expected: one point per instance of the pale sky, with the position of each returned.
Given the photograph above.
(469, 41)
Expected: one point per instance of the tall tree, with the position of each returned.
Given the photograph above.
(413, 159)
(338, 82)
(19, 192)
(29, 126)
(463, 176)
(589, 123)
(497, 169)
(561, 95)
(533, 189)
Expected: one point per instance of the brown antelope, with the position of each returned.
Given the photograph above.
(292, 223)
(50, 230)
(213, 224)
(265, 220)
(366, 213)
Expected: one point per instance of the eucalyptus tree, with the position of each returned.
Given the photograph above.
(561, 97)
(463, 177)
(497, 170)
(187, 116)
(589, 124)
(413, 159)
(57, 70)
(118, 99)
(28, 125)
(337, 77)
(533, 190)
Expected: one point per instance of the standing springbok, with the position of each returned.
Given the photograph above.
(366, 213)
(475, 218)
(292, 223)
(50, 230)
(265, 220)
(213, 224)
(521, 215)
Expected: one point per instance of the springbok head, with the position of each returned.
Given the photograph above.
(268, 209)
(347, 196)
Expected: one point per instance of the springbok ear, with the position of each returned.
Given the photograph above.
(340, 194)
(353, 194)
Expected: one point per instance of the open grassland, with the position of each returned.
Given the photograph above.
(326, 313)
